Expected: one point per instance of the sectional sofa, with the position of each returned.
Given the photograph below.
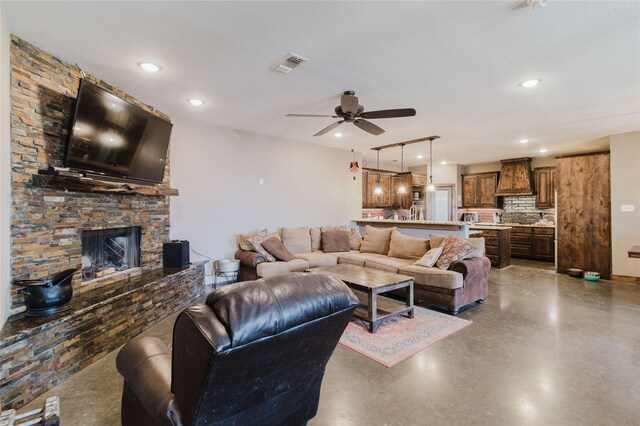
(462, 283)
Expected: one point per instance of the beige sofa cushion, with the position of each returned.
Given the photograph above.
(297, 240)
(318, 258)
(376, 240)
(433, 277)
(357, 258)
(436, 240)
(406, 247)
(389, 264)
(270, 269)
(316, 238)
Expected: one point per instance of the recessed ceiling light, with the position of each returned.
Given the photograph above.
(337, 134)
(419, 156)
(149, 67)
(524, 140)
(530, 83)
(443, 162)
(196, 102)
(543, 150)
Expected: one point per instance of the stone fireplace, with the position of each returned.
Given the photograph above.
(49, 224)
(106, 251)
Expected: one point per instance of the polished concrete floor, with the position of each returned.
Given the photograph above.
(544, 349)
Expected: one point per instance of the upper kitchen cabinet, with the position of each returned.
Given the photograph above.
(401, 200)
(371, 199)
(479, 190)
(545, 187)
(515, 177)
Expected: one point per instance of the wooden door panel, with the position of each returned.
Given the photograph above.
(584, 213)
(470, 191)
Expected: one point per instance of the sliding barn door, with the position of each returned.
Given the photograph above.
(584, 213)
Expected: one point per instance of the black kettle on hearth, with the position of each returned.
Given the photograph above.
(47, 296)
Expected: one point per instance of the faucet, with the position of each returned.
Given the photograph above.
(413, 210)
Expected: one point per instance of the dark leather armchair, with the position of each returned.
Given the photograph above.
(253, 354)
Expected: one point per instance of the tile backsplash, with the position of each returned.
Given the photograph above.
(516, 209)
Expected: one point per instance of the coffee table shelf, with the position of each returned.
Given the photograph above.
(368, 285)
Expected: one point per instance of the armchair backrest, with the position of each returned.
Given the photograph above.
(255, 352)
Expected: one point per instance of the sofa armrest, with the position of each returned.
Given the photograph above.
(250, 259)
(145, 364)
(471, 267)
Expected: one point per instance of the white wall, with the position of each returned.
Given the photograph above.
(5, 167)
(217, 172)
(625, 190)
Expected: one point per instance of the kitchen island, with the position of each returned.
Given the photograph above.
(416, 228)
(497, 243)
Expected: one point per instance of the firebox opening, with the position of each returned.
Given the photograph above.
(106, 251)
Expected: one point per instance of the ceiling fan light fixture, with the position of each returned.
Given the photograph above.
(337, 134)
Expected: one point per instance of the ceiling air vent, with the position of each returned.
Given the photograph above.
(288, 63)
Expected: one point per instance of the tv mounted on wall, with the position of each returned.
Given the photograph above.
(112, 138)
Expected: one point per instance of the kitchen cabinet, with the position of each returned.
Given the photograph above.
(515, 177)
(531, 242)
(497, 245)
(390, 182)
(543, 244)
(545, 178)
(418, 179)
(479, 189)
(401, 200)
(373, 200)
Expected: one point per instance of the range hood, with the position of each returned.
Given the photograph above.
(515, 177)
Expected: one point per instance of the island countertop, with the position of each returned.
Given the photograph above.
(431, 224)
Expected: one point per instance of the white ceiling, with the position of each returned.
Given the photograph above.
(457, 63)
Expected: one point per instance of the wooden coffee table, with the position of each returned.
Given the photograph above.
(367, 284)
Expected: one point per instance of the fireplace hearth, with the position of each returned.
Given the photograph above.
(106, 251)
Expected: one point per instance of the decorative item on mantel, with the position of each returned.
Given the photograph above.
(47, 296)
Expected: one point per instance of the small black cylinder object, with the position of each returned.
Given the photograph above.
(175, 254)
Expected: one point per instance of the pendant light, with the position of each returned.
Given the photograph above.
(378, 189)
(431, 187)
(402, 189)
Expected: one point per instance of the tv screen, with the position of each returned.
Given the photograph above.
(112, 137)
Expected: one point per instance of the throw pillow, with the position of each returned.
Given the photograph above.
(335, 241)
(355, 239)
(243, 239)
(454, 248)
(316, 238)
(436, 240)
(430, 258)
(256, 242)
(275, 247)
(479, 252)
(406, 247)
(297, 240)
(376, 240)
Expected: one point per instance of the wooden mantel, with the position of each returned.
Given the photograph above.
(70, 183)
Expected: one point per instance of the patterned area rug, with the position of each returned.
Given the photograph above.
(399, 338)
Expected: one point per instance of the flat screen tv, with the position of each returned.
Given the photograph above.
(113, 138)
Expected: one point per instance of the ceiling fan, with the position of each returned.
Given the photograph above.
(350, 111)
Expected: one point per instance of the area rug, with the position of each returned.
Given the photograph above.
(399, 338)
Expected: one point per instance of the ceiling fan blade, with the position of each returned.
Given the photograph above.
(349, 103)
(329, 128)
(311, 115)
(389, 113)
(368, 126)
